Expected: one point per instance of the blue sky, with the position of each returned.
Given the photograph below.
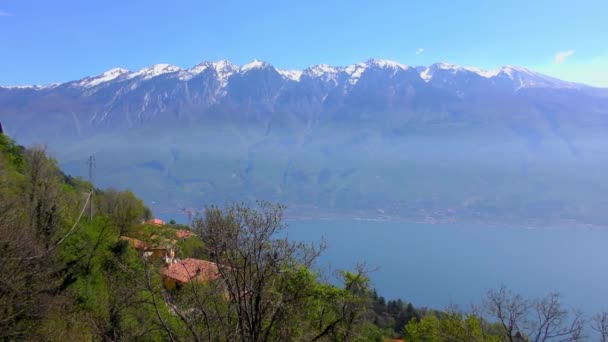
(56, 41)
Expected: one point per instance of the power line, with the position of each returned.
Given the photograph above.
(84, 207)
(89, 197)
(88, 202)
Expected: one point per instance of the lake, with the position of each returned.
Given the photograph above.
(443, 264)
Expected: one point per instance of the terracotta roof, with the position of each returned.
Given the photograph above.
(136, 243)
(157, 222)
(183, 233)
(191, 269)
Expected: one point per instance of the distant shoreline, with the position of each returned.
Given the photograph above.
(531, 224)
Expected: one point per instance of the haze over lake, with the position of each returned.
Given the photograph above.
(443, 264)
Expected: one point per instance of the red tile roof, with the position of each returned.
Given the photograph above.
(183, 233)
(190, 269)
(157, 222)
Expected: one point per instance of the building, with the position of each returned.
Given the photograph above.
(183, 233)
(156, 222)
(158, 252)
(180, 272)
(136, 243)
(149, 251)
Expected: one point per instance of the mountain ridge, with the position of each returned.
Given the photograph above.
(440, 142)
(156, 70)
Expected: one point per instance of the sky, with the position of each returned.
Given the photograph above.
(56, 41)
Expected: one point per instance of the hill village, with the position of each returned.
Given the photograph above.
(174, 245)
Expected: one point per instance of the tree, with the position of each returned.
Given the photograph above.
(123, 208)
(266, 289)
(508, 309)
(41, 193)
(345, 317)
(599, 323)
(253, 262)
(22, 277)
(448, 326)
(539, 320)
(29, 218)
(426, 329)
(147, 213)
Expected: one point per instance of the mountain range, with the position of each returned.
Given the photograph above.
(376, 139)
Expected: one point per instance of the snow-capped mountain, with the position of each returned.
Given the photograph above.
(375, 134)
(119, 98)
(515, 77)
(521, 77)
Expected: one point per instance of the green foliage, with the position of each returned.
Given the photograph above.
(12, 153)
(427, 329)
(394, 314)
(122, 207)
(191, 247)
(448, 326)
(63, 279)
(102, 289)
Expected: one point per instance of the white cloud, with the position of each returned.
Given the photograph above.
(419, 51)
(592, 70)
(561, 56)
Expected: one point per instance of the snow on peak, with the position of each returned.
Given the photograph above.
(255, 64)
(426, 74)
(224, 70)
(521, 77)
(155, 70)
(448, 66)
(531, 79)
(293, 75)
(508, 70)
(385, 63)
(320, 70)
(354, 72)
(511, 70)
(107, 76)
(185, 75)
(115, 71)
(488, 73)
(224, 65)
(33, 87)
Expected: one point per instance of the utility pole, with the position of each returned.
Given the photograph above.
(91, 163)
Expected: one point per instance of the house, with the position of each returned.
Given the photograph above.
(158, 252)
(148, 251)
(156, 222)
(183, 233)
(136, 243)
(180, 272)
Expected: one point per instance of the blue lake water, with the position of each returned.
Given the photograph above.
(439, 265)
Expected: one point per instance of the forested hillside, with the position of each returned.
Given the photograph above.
(228, 275)
(65, 278)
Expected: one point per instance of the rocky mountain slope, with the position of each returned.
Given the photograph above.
(377, 138)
